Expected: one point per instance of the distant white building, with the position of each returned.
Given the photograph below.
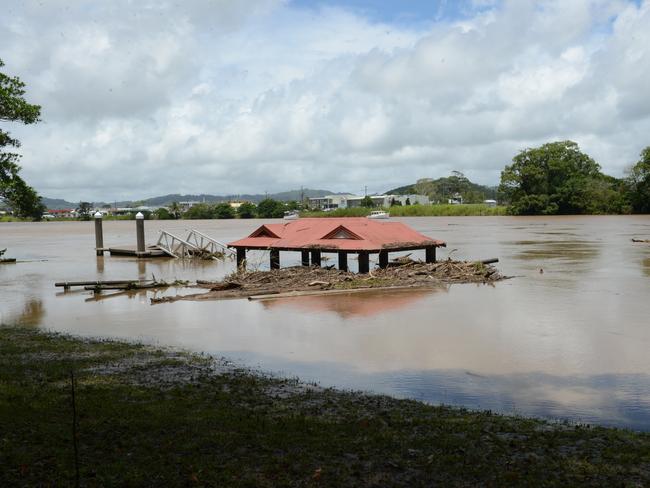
(386, 200)
(185, 206)
(331, 202)
(490, 203)
(456, 199)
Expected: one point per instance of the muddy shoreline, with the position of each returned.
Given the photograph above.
(161, 417)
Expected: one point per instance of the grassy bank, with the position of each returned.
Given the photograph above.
(444, 210)
(148, 417)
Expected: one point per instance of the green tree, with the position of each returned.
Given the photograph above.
(269, 208)
(22, 198)
(246, 210)
(200, 211)
(639, 183)
(367, 202)
(552, 179)
(163, 214)
(175, 210)
(84, 210)
(224, 211)
(292, 205)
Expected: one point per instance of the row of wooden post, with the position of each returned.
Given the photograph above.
(139, 234)
(313, 257)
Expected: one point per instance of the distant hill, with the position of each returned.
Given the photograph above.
(57, 203)
(440, 189)
(258, 197)
(402, 190)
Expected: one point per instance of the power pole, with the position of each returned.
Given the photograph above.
(365, 191)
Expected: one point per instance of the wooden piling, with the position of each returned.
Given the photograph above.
(430, 254)
(275, 259)
(343, 261)
(364, 262)
(315, 257)
(304, 258)
(383, 259)
(99, 235)
(241, 257)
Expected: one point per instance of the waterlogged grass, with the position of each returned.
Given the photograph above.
(10, 218)
(447, 210)
(418, 211)
(157, 418)
(339, 212)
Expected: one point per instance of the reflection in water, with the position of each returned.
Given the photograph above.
(358, 304)
(100, 265)
(96, 297)
(31, 315)
(142, 269)
(609, 399)
(618, 400)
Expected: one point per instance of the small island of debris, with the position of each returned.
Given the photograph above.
(301, 280)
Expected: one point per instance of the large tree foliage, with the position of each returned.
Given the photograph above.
(639, 181)
(246, 210)
(13, 108)
(441, 189)
(269, 208)
(557, 178)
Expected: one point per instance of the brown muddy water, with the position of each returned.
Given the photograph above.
(571, 342)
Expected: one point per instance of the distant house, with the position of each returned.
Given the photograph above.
(331, 202)
(185, 206)
(385, 200)
(61, 213)
(456, 199)
(490, 203)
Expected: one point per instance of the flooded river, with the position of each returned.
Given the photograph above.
(567, 338)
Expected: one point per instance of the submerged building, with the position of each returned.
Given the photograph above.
(343, 236)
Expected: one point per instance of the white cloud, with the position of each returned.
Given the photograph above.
(237, 97)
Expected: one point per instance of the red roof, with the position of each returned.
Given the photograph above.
(346, 234)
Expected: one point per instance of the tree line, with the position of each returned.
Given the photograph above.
(266, 209)
(21, 197)
(557, 178)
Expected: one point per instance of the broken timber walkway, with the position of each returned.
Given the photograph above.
(196, 244)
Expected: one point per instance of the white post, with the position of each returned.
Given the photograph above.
(99, 234)
(139, 229)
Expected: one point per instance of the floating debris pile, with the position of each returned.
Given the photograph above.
(402, 274)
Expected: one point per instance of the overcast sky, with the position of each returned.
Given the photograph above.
(143, 98)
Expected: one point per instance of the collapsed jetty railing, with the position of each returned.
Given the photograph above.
(208, 244)
(196, 244)
(174, 245)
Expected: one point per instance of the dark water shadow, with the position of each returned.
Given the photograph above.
(645, 264)
(565, 251)
(617, 400)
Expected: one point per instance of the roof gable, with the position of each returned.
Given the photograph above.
(264, 231)
(342, 232)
